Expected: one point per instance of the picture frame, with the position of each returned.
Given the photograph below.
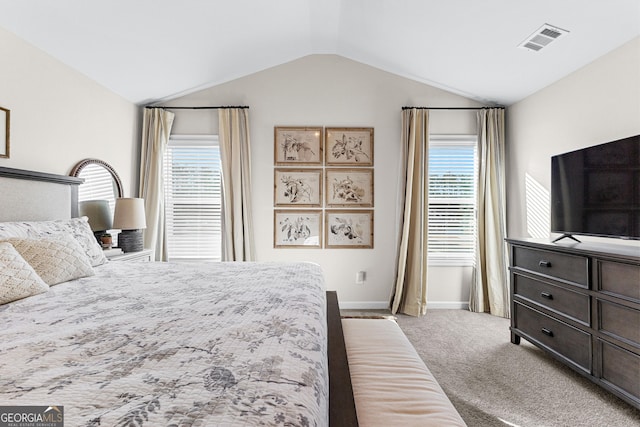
(5, 121)
(351, 146)
(297, 187)
(349, 229)
(298, 145)
(349, 187)
(295, 228)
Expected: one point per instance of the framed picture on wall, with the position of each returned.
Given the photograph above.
(349, 146)
(298, 145)
(349, 187)
(349, 229)
(4, 132)
(294, 228)
(297, 187)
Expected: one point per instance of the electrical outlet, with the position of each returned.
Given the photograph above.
(361, 276)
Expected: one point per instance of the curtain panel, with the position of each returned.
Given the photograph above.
(410, 292)
(490, 289)
(156, 128)
(235, 153)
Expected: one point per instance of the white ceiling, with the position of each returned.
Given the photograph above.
(149, 50)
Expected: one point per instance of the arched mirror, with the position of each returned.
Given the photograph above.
(101, 181)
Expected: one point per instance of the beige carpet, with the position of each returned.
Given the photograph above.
(495, 383)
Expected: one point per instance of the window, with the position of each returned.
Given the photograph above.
(453, 169)
(193, 207)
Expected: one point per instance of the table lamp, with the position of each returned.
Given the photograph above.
(99, 215)
(129, 217)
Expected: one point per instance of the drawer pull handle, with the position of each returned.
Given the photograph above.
(544, 263)
(547, 332)
(546, 295)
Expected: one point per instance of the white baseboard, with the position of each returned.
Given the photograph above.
(448, 305)
(364, 305)
(384, 305)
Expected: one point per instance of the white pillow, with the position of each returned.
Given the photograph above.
(55, 259)
(17, 278)
(77, 227)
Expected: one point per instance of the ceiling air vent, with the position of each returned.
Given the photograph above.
(542, 37)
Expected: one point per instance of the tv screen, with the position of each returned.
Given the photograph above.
(596, 190)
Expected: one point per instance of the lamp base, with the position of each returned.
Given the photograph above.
(130, 240)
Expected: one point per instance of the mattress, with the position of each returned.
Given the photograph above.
(151, 344)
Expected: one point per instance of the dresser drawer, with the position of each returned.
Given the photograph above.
(571, 343)
(620, 369)
(573, 268)
(619, 279)
(556, 298)
(619, 321)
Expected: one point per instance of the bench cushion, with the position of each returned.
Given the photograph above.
(391, 383)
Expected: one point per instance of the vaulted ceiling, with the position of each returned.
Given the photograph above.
(149, 50)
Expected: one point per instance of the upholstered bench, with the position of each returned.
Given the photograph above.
(391, 384)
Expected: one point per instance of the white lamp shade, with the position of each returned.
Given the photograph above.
(129, 214)
(98, 213)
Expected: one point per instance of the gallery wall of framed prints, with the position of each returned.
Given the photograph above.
(323, 192)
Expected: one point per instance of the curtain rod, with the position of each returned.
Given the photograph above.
(168, 107)
(451, 108)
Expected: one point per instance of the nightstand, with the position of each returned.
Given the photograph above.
(144, 255)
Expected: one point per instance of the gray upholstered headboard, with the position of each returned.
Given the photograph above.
(35, 196)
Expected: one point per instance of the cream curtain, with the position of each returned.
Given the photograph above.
(237, 238)
(410, 294)
(490, 290)
(156, 129)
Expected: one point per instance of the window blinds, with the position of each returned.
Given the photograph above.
(193, 205)
(452, 198)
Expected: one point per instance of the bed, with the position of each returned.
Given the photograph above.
(150, 344)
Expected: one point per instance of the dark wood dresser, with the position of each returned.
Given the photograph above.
(581, 303)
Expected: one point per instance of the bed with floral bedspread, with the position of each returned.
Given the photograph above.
(169, 344)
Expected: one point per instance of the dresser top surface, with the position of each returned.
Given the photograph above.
(627, 251)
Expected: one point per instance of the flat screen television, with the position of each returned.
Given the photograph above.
(595, 191)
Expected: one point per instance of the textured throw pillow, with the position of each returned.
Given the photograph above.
(56, 259)
(80, 229)
(17, 278)
(77, 227)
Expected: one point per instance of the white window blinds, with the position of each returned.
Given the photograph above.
(452, 199)
(193, 206)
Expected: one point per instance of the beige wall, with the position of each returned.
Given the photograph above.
(328, 90)
(596, 104)
(59, 116)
